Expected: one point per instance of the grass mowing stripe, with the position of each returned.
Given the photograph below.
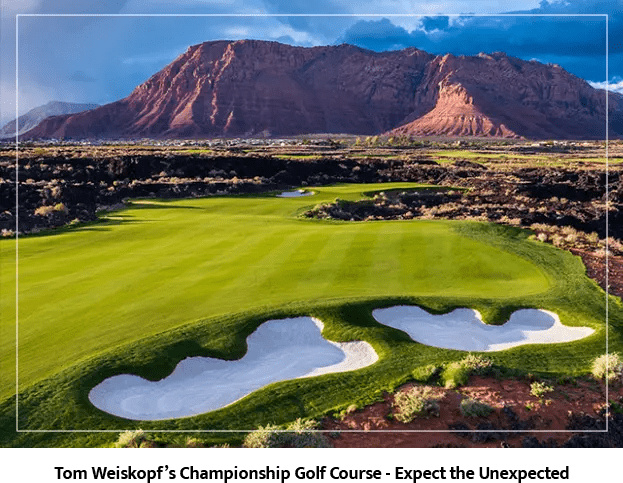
(412, 251)
(354, 266)
(206, 283)
(264, 277)
(321, 270)
(303, 261)
(383, 264)
(290, 263)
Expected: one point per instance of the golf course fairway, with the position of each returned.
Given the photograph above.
(162, 280)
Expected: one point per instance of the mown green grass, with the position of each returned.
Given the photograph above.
(478, 156)
(165, 280)
(449, 156)
(195, 151)
(297, 156)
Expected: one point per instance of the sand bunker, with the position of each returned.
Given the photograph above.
(463, 329)
(295, 194)
(277, 351)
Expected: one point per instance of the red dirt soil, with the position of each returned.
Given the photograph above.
(534, 417)
(596, 269)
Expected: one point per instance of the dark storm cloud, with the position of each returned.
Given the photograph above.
(577, 43)
(380, 35)
(435, 23)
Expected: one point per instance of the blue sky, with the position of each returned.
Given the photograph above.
(101, 59)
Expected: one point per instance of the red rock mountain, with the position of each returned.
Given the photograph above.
(251, 87)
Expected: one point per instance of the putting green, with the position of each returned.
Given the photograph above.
(156, 266)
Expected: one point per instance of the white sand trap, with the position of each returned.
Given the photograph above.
(277, 351)
(463, 329)
(295, 194)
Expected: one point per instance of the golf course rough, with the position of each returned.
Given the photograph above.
(163, 280)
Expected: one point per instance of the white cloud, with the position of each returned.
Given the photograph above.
(237, 33)
(615, 85)
(301, 38)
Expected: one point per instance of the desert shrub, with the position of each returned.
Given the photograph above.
(263, 437)
(539, 227)
(193, 443)
(539, 389)
(419, 401)
(299, 434)
(473, 407)
(571, 238)
(615, 244)
(131, 439)
(608, 366)
(454, 375)
(47, 210)
(557, 240)
(351, 409)
(44, 210)
(61, 208)
(592, 237)
(477, 364)
(148, 444)
(425, 373)
(341, 415)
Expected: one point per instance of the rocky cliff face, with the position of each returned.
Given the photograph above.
(497, 95)
(251, 88)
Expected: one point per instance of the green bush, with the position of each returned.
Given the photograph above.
(419, 401)
(473, 407)
(608, 366)
(299, 434)
(455, 375)
(426, 373)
